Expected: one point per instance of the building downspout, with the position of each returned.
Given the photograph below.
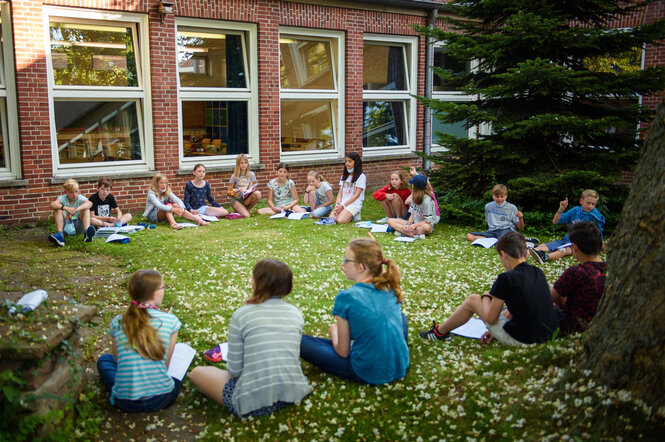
(429, 61)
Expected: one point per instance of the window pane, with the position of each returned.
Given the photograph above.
(305, 64)
(444, 61)
(383, 68)
(210, 60)
(307, 125)
(213, 128)
(92, 55)
(2, 58)
(3, 145)
(383, 123)
(456, 129)
(97, 131)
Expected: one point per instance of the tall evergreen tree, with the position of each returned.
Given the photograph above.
(553, 86)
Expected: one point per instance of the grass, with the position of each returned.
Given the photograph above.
(454, 390)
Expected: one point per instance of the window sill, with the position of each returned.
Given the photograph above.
(13, 183)
(213, 169)
(94, 178)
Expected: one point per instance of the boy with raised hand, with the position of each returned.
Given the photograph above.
(103, 202)
(501, 216)
(71, 213)
(579, 289)
(586, 211)
(530, 317)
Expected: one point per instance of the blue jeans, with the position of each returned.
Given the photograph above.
(320, 352)
(320, 212)
(107, 368)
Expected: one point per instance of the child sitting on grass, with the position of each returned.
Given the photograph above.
(586, 211)
(423, 216)
(501, 216)
(197, 191)
(530, 316)
(71, 213)
(264, 371)
(393, 196)
(161, 204)
(103, 202)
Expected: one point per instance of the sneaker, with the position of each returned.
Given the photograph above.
(433, 333)
(390, 230)
(383, 220)
(420, 236)
(539, 255)
(398, 233)
(531, 242)
(57, 239)
(214, 354)
(89, 233)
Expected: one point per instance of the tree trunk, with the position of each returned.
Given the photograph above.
(625, 345)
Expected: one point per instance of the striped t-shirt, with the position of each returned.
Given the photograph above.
(264, 354)
(138, 377)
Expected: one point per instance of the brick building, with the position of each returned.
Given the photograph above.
(125, 88)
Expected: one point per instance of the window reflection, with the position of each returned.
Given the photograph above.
(383, 123)
(208, 59)
(90, 131)
(456, 129)
(3, 118)
(305, 64)
(92, 55)
(307, 125)
(213, 128)
(444, 61)
(383, 67)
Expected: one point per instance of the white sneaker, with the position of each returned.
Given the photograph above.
(420, 236)
(382, 220)
(398, 233)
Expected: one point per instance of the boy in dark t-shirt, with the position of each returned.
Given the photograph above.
(579, 289)
(102, 204)
(530, 316)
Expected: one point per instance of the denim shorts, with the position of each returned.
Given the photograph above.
(557, 243)
(227, 398)
(493, 233)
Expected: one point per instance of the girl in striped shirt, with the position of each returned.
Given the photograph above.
(143, 340)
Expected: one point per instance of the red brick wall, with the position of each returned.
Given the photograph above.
(29, 203)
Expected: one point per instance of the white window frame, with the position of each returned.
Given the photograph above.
(248, 94)
(410, 45)
(9, 113)
(139, 94)
(457, 96)
(336, 96)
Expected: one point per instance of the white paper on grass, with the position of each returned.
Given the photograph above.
(116, 237)
(181, 359)
(278, 215)
(224, 348)
(210, 218)
(473, 328)
(187, 225)
(564, 246)
(298, 215)
(379, 228)
(129, 229)
(484, 242)
(364, 224)
(405, 239)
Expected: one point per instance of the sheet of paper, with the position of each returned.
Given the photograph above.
(405, 239)
(473, 328)
(364, 224)
(182, 357)
(210, 218)
(129, 229)
(187, 224)
(224, 347)
(563, 246)
(484, 242)
(379, 228)
(116, 237)
(249, 191)
(298, 215)
(281, 214)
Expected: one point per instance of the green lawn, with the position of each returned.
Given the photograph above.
(457, 389)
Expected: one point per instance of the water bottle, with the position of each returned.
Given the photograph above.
(30, 301)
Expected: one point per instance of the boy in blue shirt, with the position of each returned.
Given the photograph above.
(71, 213)
(501, 216)
(586, 211)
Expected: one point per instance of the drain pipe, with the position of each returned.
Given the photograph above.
(429, 61)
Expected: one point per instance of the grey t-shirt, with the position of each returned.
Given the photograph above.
(503, 217)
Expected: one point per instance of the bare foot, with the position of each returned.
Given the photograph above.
(176, 226)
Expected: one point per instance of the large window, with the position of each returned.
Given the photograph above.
(99, 83)
(217, 90)
(448, 93)
(9, 146)
(311, 93)
(389, 71)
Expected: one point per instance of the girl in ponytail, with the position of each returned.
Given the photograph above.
(143, 341)
(371, 308)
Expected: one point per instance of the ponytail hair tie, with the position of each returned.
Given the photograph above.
(384, 261)
(142, 305)
(133, 302)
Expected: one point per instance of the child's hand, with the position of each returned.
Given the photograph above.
(194, 212)
(412, 171)
(519, 214)
(408, 227)
(309, 188)
(390, 196)
(486, 338)
(563, 204)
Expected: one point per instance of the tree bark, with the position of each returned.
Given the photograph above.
(625, 345)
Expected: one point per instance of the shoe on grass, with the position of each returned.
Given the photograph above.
(433, 333)
(214, 354)
(541, 256)
(89, 233)
(57, 239)
(420, 236)
(531, 242)
(383, 220)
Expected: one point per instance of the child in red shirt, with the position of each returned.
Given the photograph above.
(393, 196)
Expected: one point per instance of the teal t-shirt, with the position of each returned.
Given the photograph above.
(379, 353)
